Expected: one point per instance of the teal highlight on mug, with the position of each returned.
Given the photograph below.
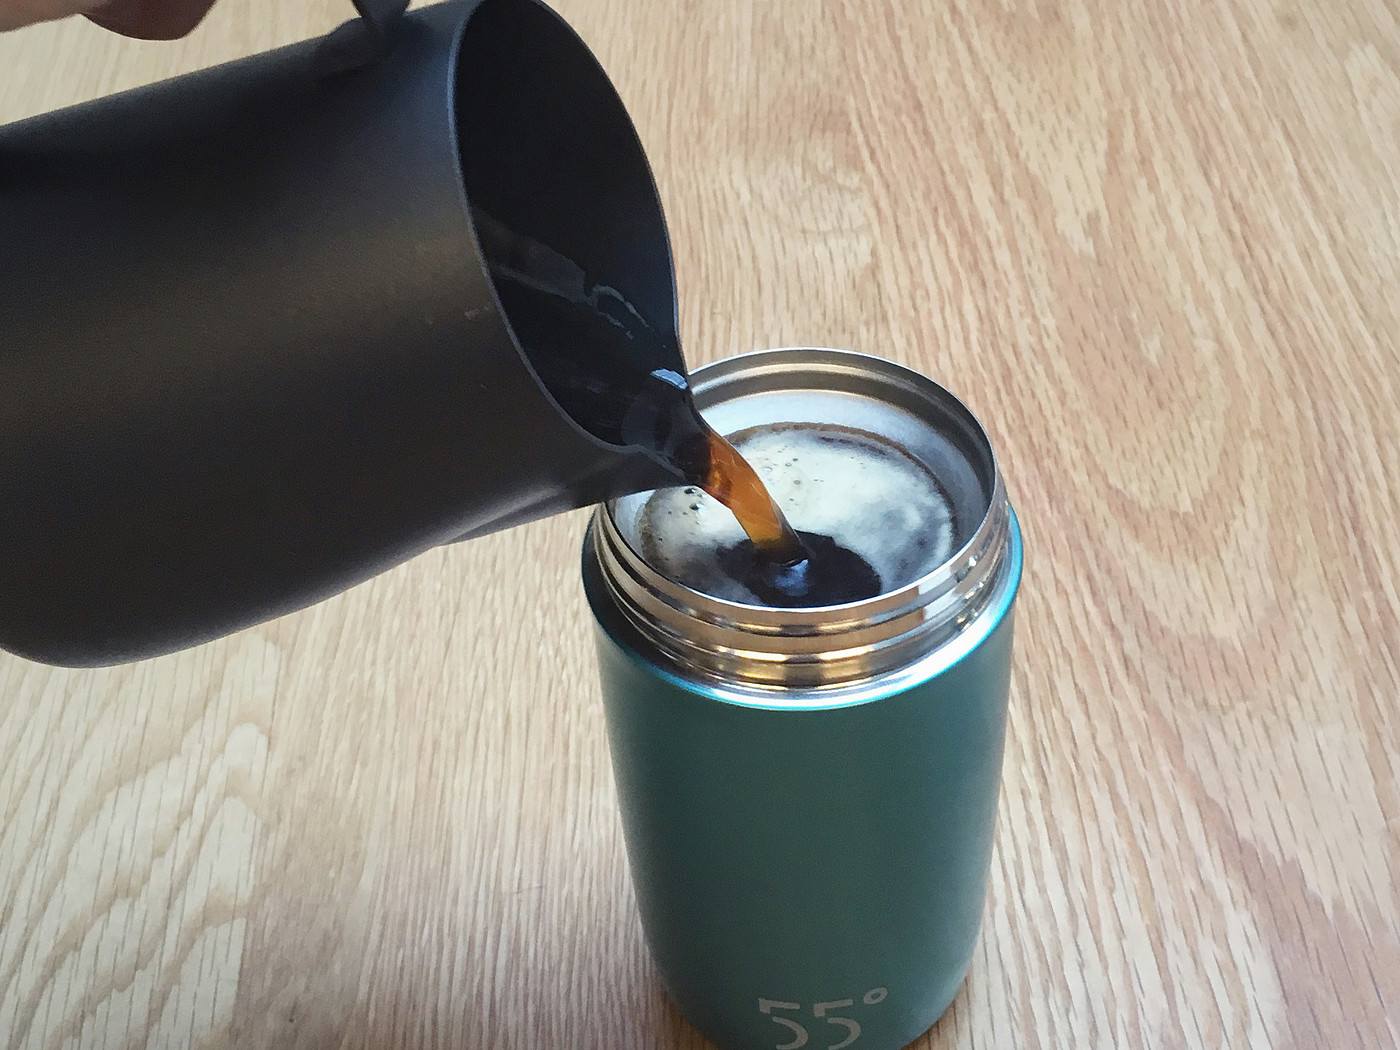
(809, 799)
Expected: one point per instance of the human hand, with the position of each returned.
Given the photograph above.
(148, 19)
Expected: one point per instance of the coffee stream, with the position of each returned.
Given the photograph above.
(563, 318)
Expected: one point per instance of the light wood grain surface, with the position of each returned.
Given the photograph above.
(1155, 245)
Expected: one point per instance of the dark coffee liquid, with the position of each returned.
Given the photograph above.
(595, 355)
(830, 574)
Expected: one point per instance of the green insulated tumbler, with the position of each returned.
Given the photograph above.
(808, 795)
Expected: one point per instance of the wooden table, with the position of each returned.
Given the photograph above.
(1157, 248)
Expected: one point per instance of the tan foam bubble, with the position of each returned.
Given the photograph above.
(856, 487)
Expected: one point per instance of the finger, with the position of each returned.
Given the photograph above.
(16, 13)
(150, 19)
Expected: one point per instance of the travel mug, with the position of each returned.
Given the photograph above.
(808, 795)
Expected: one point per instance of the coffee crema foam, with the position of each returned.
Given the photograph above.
(856, 487)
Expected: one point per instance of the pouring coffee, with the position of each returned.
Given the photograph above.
(259, 340)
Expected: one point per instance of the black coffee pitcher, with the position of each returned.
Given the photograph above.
(250, 352)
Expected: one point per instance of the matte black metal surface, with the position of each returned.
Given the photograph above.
(248, 352)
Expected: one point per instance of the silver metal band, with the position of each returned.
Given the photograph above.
(728, 642)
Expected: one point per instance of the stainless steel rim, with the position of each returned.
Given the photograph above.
(729, 642)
